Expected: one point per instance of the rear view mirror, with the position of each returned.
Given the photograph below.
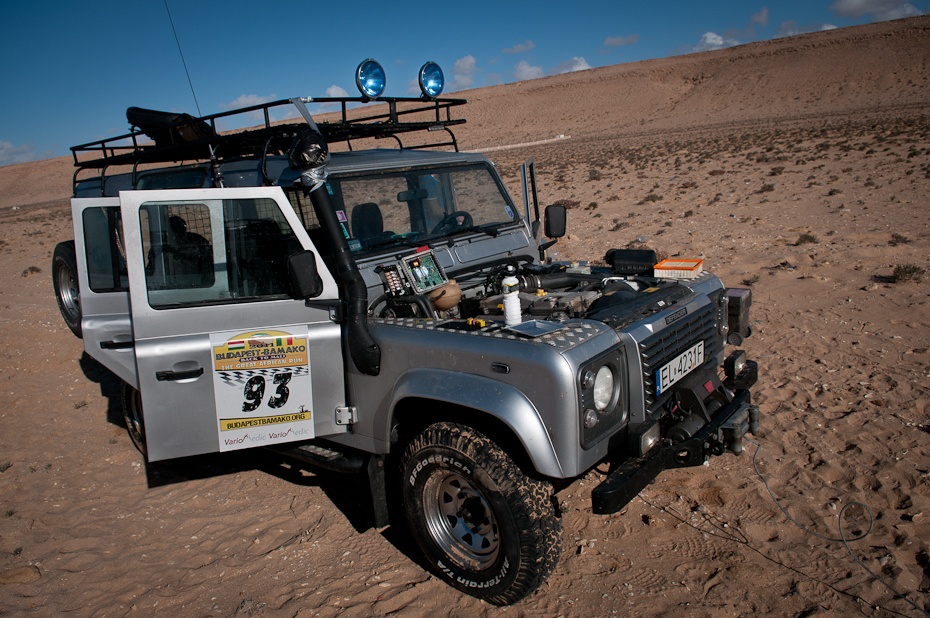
(303, 277)
(412, 194)
(555, 220)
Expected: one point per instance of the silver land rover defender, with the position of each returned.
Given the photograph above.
(391, 312)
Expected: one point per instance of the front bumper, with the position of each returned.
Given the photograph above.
(725, 431)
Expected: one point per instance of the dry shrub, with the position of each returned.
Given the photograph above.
(907, 272)
(807, 239)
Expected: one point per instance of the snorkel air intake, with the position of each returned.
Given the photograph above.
(309, 155)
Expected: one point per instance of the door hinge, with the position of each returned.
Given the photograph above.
(346, 415)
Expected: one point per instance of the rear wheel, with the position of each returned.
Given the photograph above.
(131, 401)
(65, 282)
(483, 525)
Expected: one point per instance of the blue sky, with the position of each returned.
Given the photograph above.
(70, 69)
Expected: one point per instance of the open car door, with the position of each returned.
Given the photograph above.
(225, 358)
(101, 264)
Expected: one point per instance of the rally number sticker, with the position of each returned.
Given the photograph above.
(262, 388)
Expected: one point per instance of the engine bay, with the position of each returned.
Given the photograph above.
(416, 286)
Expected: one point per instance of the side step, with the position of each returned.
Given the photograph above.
(352, 462)
(325, 457)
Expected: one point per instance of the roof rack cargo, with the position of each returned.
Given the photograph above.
(180, 138)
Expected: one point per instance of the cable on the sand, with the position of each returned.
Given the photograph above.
(843, 539)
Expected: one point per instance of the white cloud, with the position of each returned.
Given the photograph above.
(336, 91)
(620, 41)
(11, 154)
(877, 10)
(248, 100)
(792, 28)
(761, 18)
(520, 48)
(524, 70)
(569, 66)
(289, 111)
(711, 41)
(463, 72)
(253, 117)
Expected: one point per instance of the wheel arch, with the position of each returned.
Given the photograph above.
(498, 410)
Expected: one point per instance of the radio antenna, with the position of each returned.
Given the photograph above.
(178, 41)
(217, 175)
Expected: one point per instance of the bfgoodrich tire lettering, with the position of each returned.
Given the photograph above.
(65, 282)
(483, 525)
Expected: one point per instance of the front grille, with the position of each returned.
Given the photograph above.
(662, 347)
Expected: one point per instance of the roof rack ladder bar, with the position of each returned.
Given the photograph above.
(266, 181)
(454, 143)
(74, 180)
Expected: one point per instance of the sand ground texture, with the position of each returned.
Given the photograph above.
(799, 167)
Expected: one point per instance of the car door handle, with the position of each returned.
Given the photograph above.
(171, 376)
(117, 345)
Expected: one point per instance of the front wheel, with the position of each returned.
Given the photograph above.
(482, 524)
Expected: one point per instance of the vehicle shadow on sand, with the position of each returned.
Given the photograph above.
(349, 492)
(110, 387)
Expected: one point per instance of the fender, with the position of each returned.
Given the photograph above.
(492, 397)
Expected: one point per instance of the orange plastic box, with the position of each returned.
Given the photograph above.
(678, 269)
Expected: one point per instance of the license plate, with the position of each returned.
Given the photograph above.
(679, 367)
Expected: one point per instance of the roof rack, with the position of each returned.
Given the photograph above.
(164, 137)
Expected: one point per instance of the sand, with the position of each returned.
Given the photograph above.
(798, 167)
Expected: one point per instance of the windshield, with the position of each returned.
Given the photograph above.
(420, 205)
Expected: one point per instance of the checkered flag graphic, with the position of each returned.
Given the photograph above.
(238, 378)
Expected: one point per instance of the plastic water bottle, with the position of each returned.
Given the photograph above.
(512, 311)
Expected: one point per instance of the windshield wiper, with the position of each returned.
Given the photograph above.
(484, 229)
(397, 240)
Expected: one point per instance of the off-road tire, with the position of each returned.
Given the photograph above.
(131, 403)
(483, 525)
(65, 282)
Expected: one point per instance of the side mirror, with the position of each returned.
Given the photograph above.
(303, 278)
(555, 216)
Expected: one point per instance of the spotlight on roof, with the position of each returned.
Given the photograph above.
(431, 80)
(370, 79)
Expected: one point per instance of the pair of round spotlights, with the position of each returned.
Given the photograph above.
(370, 79)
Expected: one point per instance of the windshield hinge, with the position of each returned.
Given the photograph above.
(346, 415)
(336, 308)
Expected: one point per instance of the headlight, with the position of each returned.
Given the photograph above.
(602, 401)
(370, 79)
(603, 388)
(431, 80)
(590, 419)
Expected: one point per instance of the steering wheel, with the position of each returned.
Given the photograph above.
(451, 222)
